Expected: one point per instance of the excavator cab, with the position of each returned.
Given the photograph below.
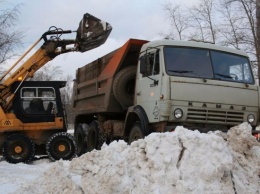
(38, 101)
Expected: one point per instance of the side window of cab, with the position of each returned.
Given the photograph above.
(150, 64)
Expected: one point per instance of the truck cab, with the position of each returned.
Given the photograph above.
(197, 85)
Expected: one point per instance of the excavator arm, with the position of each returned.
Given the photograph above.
(91, 33)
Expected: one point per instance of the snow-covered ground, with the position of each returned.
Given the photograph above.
(181, 162)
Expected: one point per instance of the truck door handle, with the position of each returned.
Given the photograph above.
(139, 93)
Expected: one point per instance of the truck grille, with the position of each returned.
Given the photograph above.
(216, 116)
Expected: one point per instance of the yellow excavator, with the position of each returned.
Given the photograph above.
(32, 118)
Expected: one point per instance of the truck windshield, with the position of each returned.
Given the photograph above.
(209, 64)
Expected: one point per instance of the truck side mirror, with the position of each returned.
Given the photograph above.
(143, 63)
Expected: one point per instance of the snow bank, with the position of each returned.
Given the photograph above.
(14, 176)
(245, 151)
(181, 162)
(56, 179)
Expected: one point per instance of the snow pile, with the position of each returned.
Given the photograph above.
(181, 162)
(14, 176)
(245, 151)
(55, 180)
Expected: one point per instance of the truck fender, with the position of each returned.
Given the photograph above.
(136, 114)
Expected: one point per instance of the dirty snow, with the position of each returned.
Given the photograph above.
(181, 162)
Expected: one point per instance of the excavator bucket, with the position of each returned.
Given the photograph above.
(92, 32)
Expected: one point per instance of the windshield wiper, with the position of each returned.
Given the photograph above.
(185, 71)
(180, 71)
(223, 75)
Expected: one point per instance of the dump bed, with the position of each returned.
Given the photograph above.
(93, 87)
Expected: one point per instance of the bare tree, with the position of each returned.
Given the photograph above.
(231, 33)
(202, 20)
(196, 22)
(66, 98)
(258, 34)
(10, 38)
(67, 90)
(178, 20)
(47, 73)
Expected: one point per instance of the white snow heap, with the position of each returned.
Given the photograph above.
(245, 151)
(55, 180)
(181, 162)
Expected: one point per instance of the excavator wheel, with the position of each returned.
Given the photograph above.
(18, 148)
(135, 133)
(80, 136)
(124, 86)
(61, 146)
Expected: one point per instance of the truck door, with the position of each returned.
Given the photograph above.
(148, 84)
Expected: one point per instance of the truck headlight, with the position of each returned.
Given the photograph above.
(251, 118)
(178, 113)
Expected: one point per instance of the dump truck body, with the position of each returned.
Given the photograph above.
(145, 87)
(93, 89)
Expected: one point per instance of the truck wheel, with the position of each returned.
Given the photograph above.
(61, 146)
(124, 86)
(18, 148)
(92, 138)
(135, 133)
(80, 136)
(102, 138)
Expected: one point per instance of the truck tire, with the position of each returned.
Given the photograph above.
(102, 138)
(135, 133)
(18, 148)
(92, 137)
(80, 136)
(124, 86)
(61, 146)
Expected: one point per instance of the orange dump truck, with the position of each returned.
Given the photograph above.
(145, 87)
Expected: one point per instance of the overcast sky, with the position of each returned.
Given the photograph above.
(140, 19)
